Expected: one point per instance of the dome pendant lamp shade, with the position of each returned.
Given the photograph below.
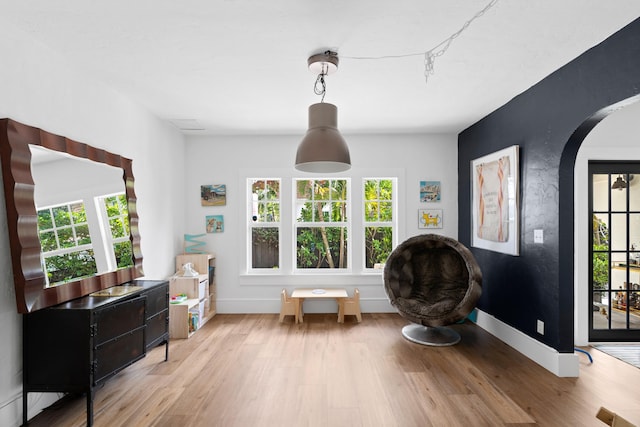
(620, 184)
(323, 149)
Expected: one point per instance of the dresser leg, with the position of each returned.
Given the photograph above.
(24, 407)
(90, 395)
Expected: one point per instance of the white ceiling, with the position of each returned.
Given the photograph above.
(240, 66)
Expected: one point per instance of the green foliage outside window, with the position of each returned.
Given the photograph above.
(118, 215)
(266, 194)
(265, 241)
(321, 247)
(75, 265)
(601, 261)
(317, 202)
(62, 228)
(124, 254)
(378, 208)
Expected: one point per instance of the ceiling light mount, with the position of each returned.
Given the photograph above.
(323, 63)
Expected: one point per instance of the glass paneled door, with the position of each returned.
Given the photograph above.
(614, 286)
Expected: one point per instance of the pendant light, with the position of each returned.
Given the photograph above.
(323, 149)
(620, 184)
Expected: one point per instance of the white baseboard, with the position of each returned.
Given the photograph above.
(257, 306)
(560, 364)
(11, 410)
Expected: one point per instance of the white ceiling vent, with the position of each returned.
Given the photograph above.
(187, 124)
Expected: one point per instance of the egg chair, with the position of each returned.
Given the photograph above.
(433, 281)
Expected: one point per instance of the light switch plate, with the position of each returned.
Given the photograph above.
(538, 236)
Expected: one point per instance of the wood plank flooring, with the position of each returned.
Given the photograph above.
(251, 370)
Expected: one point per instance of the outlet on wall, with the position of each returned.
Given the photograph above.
(540, 327)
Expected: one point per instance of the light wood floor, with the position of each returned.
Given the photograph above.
(251, 370)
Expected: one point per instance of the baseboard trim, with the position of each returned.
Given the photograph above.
(11, 409)
(560, 364)
(257, 306)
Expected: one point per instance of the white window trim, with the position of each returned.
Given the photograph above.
(64, 251)
(105, 231)
(250, 225)
(284, 276)
(348, 224)
(393, 223)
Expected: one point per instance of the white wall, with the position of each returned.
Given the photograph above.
(230, 160)
(38, 88)
(615, 138)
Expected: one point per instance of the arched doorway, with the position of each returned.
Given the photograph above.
(612, 139)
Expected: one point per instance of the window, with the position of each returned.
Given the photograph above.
(378, 221)
(114, 209)
(321, 226)
(67, 250)
(265, 223)
(311, 225)
(614, 287)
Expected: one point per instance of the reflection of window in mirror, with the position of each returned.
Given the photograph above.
(113, 210)
(60, 179)
(67, 251)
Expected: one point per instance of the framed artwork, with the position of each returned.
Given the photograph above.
(495, 201)
(215, 223)
(213, 195)
(429, 191)
(429, 218)
(193, 244)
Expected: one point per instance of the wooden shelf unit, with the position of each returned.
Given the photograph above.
(200, 291)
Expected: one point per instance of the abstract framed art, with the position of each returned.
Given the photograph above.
(495, 201)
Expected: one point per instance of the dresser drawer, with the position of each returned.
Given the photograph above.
(157, 328)
(157, 300)
(118, 319)
(112, 356)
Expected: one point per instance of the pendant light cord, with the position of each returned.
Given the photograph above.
(320, 86)
(438, 50)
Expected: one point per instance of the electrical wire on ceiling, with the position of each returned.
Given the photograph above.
(438, 50)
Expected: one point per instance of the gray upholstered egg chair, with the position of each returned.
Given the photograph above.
(433, 281)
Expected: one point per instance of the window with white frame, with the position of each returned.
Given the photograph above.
(116, 214)
(67, 250)
(319, 234)
(321, 226)
(264, 224)
(379, 220)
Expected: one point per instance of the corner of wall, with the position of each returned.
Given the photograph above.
(560, 364)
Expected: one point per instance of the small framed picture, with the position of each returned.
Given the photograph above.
(429, 191)
(215, 223)
(429, 218)
(213, 195)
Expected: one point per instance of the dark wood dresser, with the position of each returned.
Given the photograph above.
(76, 346)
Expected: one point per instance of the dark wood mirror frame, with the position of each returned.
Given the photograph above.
(22, 221)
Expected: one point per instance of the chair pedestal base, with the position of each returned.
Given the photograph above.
(435, 336)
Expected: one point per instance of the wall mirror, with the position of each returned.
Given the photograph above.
(41, 172)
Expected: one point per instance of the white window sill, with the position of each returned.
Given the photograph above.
(311, 280)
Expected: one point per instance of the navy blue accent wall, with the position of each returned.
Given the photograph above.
(548, 122)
